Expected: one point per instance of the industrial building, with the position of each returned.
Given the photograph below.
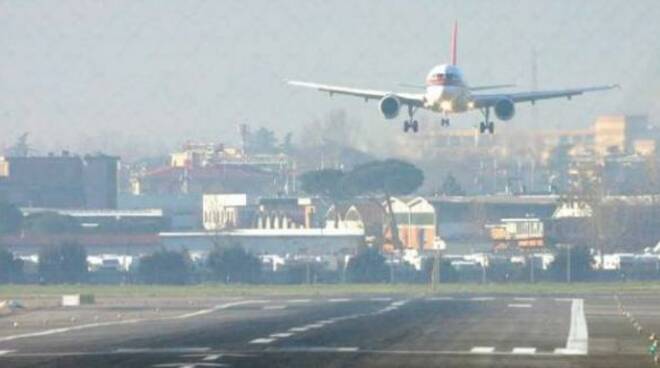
(64, 181)
(243, 211)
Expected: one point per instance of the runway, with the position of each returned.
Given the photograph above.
(363, 331)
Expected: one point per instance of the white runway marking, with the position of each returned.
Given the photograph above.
(5, 352)
(482, 299)
(440, 298)
(482, 349)
(578, 336)
(160, 350)
(210, 358)
(519, 305)
(319, 349)
(524, 351)
(521, 299)
(274, 307)
(380, 299)
(315, 325)
(300, 300)
(339, 300)
(347, 349)
(262, 341)
(299, 329)
(126, 322)
(282, 335)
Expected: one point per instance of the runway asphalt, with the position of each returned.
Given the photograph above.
(368, 331)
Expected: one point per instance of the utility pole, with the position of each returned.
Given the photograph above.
(568, 263)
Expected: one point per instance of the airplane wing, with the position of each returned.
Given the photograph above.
(488, 100)
(413, 99)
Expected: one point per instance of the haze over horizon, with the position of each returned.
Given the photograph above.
(145, 76)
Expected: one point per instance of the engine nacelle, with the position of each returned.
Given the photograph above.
(389, 106)
(505, 109)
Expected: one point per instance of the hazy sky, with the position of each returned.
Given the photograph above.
(146, 75)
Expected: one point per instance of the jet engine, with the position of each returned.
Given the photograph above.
(389, 106)
(505, 109)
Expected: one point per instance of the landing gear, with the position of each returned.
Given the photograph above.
(411, 124)
(444, 122)
(486, 125)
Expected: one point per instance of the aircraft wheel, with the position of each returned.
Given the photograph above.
(415, 126)
(406, 126)
(491, 127)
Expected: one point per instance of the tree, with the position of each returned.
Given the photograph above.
(607, 221)
(326, 183)
(65, 263)
(580, 264)
(287, 143)
(51, 223)
(11, 269)
(451, 187)
(234, 265)
(368, 266)
(165, 267)
(388, 178)
(262, 141)
(11, 218)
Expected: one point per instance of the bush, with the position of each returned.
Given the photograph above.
(234, 265)
(11, 218)
(368, 266)
(51, 223)
(447, 272)
(11, 269)
(65, 263)
(165, 267)
(580, 264)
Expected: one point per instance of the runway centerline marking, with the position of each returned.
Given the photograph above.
(299, 329)
(210, 358)
(5, 352)
(299, 300)
(274, 307)
(523, 299)
(482, 299)
(578, 336)
(524, 350)
(519, 305)
(482, 349)
(281, 335)
(339, 300)
(262, 341)
(440, 298)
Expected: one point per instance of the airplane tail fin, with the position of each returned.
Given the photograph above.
(454, 35)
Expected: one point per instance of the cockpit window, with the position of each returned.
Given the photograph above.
(444, 79)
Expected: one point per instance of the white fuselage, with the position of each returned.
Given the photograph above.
(446, 90)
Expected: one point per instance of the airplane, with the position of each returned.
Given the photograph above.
(447, 92)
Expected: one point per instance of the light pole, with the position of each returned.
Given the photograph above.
(568, 263)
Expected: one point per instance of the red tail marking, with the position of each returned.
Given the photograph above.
(454, 34)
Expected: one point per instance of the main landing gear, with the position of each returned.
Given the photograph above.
(411, 124)
(444, 122)
(486, 125)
